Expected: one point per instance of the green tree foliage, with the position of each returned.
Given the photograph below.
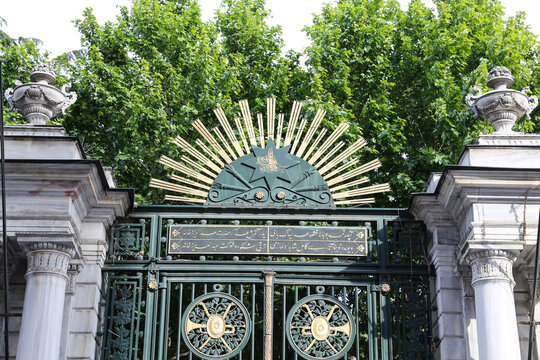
(399, 76)
(143, 80)
(403, 75)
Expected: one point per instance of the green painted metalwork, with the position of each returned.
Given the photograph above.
(386, 293)
(123, 317)
(321, 327)
(216, 326)
(273, 240)
(270, 177)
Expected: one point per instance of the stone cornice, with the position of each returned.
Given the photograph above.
(76, 190)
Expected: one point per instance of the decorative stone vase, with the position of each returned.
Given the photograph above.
(501, 107)
(38, 100)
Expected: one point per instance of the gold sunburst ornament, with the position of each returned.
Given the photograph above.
(306, 165)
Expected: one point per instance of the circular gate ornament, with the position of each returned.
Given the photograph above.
(320, 327)
(216, 326)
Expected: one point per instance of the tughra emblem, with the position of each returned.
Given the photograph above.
(269, 161)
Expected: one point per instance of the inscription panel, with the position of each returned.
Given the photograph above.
(267, 240)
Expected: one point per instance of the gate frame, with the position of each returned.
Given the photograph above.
(154, 265)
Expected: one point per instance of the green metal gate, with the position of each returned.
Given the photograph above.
(216, 306)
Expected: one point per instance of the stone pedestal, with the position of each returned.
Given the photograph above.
(46, 279)
(494, 302)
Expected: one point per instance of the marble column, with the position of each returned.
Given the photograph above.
(41, 324)
(493, 285)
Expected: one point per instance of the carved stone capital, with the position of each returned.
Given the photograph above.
(491, 265)
(465, 274)
(48, 258)
(72, 272)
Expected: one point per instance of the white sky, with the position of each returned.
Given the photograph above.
(51, 20)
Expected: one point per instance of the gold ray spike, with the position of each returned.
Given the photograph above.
(207, 150)
(330, 154)
(357, 145)
(165, 185)
(189, 182)
(184, 199)
(183, 144)
(355, 201)
(167, 161)
(339, 130)
(315, 143)
(261, 129)
(311, 131)
(191, 162)
(270, 117)
(199, 126)
(240, 130)
(350, 184)
(279, 130)
(246, 114)
(298, 135)
(224, 142)
(295, 113)
(341, 168)
(222, 118)
(354, 173)
(362, 191)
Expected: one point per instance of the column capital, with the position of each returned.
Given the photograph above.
(50, 258)
(465, 274)
(491, 265)
(73, 270)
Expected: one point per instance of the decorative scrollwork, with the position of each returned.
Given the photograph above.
(320, 327)
(216, 326)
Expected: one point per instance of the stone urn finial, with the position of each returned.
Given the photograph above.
(501, 107)
(39, 101)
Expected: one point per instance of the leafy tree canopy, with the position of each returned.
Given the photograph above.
(399, 76)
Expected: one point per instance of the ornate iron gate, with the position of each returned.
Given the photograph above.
(202, 305)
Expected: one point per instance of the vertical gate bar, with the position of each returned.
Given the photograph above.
(295, 301)
(253, 317)
(229, 289)
(308, 290)
(205, 287)
(242, 301)
(178, 342)
(163, 306)
(357, 314)
(167, 315)
(268, 312)
(371, 332)
(375, 323)
(384, 319)
(398, 317)
(382, 236)
(192, 298)
(149, 326)
(345, 301)
(284, 325)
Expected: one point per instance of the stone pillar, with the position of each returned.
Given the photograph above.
(448, 324)
(41, 324)
(469, 313)
(493, 285)
(73, 271)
